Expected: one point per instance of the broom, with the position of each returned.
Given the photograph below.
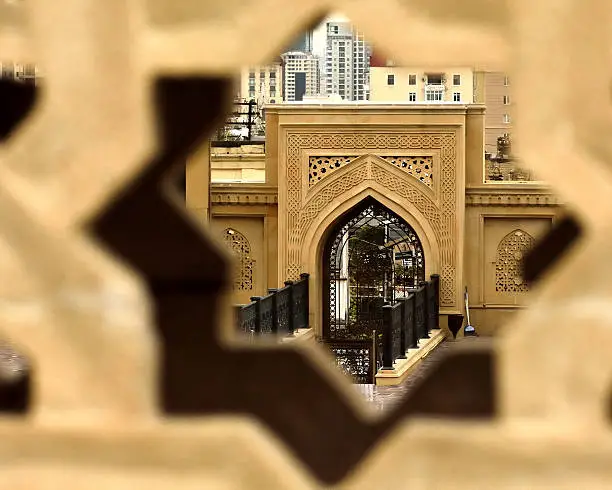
(469, 330)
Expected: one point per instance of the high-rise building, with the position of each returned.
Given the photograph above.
(347, 62)
(263, 84)
(301, 76)
(303, 43)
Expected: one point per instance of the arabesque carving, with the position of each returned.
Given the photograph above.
(241, 249)
(441, 215)
(508, 262)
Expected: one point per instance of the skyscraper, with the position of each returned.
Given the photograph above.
(347, 62)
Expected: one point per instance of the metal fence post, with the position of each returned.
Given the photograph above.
(413, 337)
(373, 367)
(403, 336)
(272, 292)
(435, 278)
(290, 308)
(387, 337)
(306, 277)
(425, 286)
(256, 299)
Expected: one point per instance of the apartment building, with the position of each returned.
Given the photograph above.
(390, 83)
(263, 84)
(301, 75)
(493, 89)
(347, 62)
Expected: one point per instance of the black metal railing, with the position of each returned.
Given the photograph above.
(281, 312)
(410, 320)
(357, 358)
(392, 333)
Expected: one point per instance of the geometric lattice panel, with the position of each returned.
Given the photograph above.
(420, 167)
(241, 248)
(509, 260)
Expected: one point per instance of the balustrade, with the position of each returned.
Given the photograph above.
(281, 312)
(410, 320)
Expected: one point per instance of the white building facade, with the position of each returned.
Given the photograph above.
(301, 75)
(347, 62)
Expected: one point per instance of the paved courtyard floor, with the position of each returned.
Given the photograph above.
(386, 397)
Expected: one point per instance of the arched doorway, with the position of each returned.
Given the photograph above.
(371, 257)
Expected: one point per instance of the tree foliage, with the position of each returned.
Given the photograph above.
(367, 263)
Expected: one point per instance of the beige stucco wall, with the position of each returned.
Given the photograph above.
(252, 229)
(250, 209)
(245, 163)
(380, 91)
(233, 169)
(491, 214)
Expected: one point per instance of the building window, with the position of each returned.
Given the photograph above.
(412, 97)
(251, 93)
(506, 99)
(456, 79)
(434, 94)
(272, 93)
(506, 81)
(272, 75)
(411, 79)
(456, 96)
(390, 79)
(507, 118)
(434, 79)
(272, 101)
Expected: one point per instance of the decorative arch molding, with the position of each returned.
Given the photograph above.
(240, 247)
(508, 262)
(316, 233)
(369, 171)
(315, 238)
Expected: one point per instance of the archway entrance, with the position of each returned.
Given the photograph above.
(371, 258)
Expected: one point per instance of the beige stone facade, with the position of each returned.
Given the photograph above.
(466, 226)
(244, 163)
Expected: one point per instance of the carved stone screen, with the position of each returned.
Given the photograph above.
(241, 250)
(508, 264)
(116, 296)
